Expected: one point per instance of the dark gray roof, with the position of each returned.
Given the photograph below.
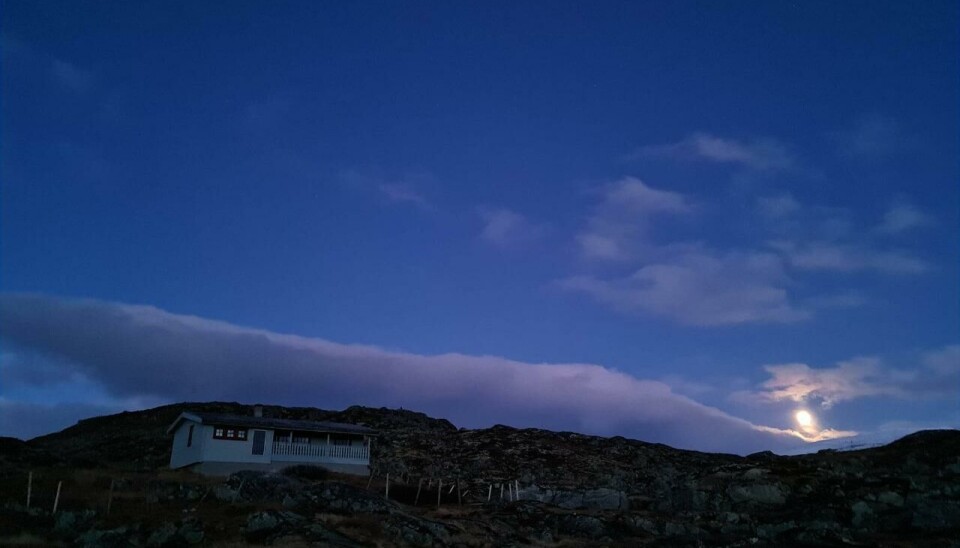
(248, 421)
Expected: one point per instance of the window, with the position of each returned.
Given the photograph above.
(190, 436)
(225, 433)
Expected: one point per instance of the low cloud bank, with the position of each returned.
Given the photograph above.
(145, 352)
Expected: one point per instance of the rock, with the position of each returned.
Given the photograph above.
(224, 493)
(757, 493)
(681, 530)
(262, 524)
(598, 499)
(579, 525)
(935, 514)
(319, 533)
(755, 473)
(191, 531)
(890, 498)
(271, 523)
(70, 523)
(861, 513)
(771, 531)
(416, 531)
(253, 486)
(163, 536)
(111, 538)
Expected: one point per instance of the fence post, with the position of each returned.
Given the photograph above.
(56, 499)
(237, 494)
(516, 489)
(386, 493)
(501, 490)
(459, 496)
(419, 486)
(110, 497)
(489, 492)
(439, 492)
(29, 487)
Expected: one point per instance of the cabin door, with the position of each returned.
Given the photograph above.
(259, 436)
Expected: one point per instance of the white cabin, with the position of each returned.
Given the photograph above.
(220, 444)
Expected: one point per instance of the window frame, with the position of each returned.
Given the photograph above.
(229, 433)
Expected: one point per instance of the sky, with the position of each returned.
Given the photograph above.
(679, 222)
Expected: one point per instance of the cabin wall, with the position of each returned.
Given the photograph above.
(215, 450)
(180, 454)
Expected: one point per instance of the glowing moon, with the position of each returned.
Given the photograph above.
(804, 418)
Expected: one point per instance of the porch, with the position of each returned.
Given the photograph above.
(302, 447)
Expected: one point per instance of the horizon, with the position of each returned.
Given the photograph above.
(621, 219)
(847, 444)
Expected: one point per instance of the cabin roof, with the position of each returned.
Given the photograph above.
(269, 423)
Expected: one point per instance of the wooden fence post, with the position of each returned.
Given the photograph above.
(489, 492)
(459, 496)
(501, 490)
(56, 499)
(237, 494)
(439, 492)
(419, 486)
(386, 493)
(110, 497)
(516, 489)
(29, 487)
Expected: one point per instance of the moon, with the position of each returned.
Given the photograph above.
(804, 418)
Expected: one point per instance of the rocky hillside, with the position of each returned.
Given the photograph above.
(574, 489)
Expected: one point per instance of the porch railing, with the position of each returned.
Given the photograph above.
(321, 451)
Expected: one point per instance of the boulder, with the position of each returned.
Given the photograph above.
(759, 493)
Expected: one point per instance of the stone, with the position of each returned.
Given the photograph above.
(261, 524)
(861, 513)
(757, 493)
(890, 498)
(191, 531)
(163, 536)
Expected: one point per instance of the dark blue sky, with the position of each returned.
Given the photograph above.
(684, 192)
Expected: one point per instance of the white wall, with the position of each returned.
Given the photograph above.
(234, 450)
(180, 454)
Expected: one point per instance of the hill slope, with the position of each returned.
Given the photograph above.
(905, 491)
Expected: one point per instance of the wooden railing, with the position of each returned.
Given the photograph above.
(321, 451)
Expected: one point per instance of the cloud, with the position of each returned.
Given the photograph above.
(856, 378)
(71, 76)
(397, 191)
(505, 228)
(142, 351)
(862, 377)
(401, 192)
(847, 258)
(616, 229)
(945, 361)
(758, 154)
(902, 217)
(871, 136)
(699, 287)
(778, 207)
